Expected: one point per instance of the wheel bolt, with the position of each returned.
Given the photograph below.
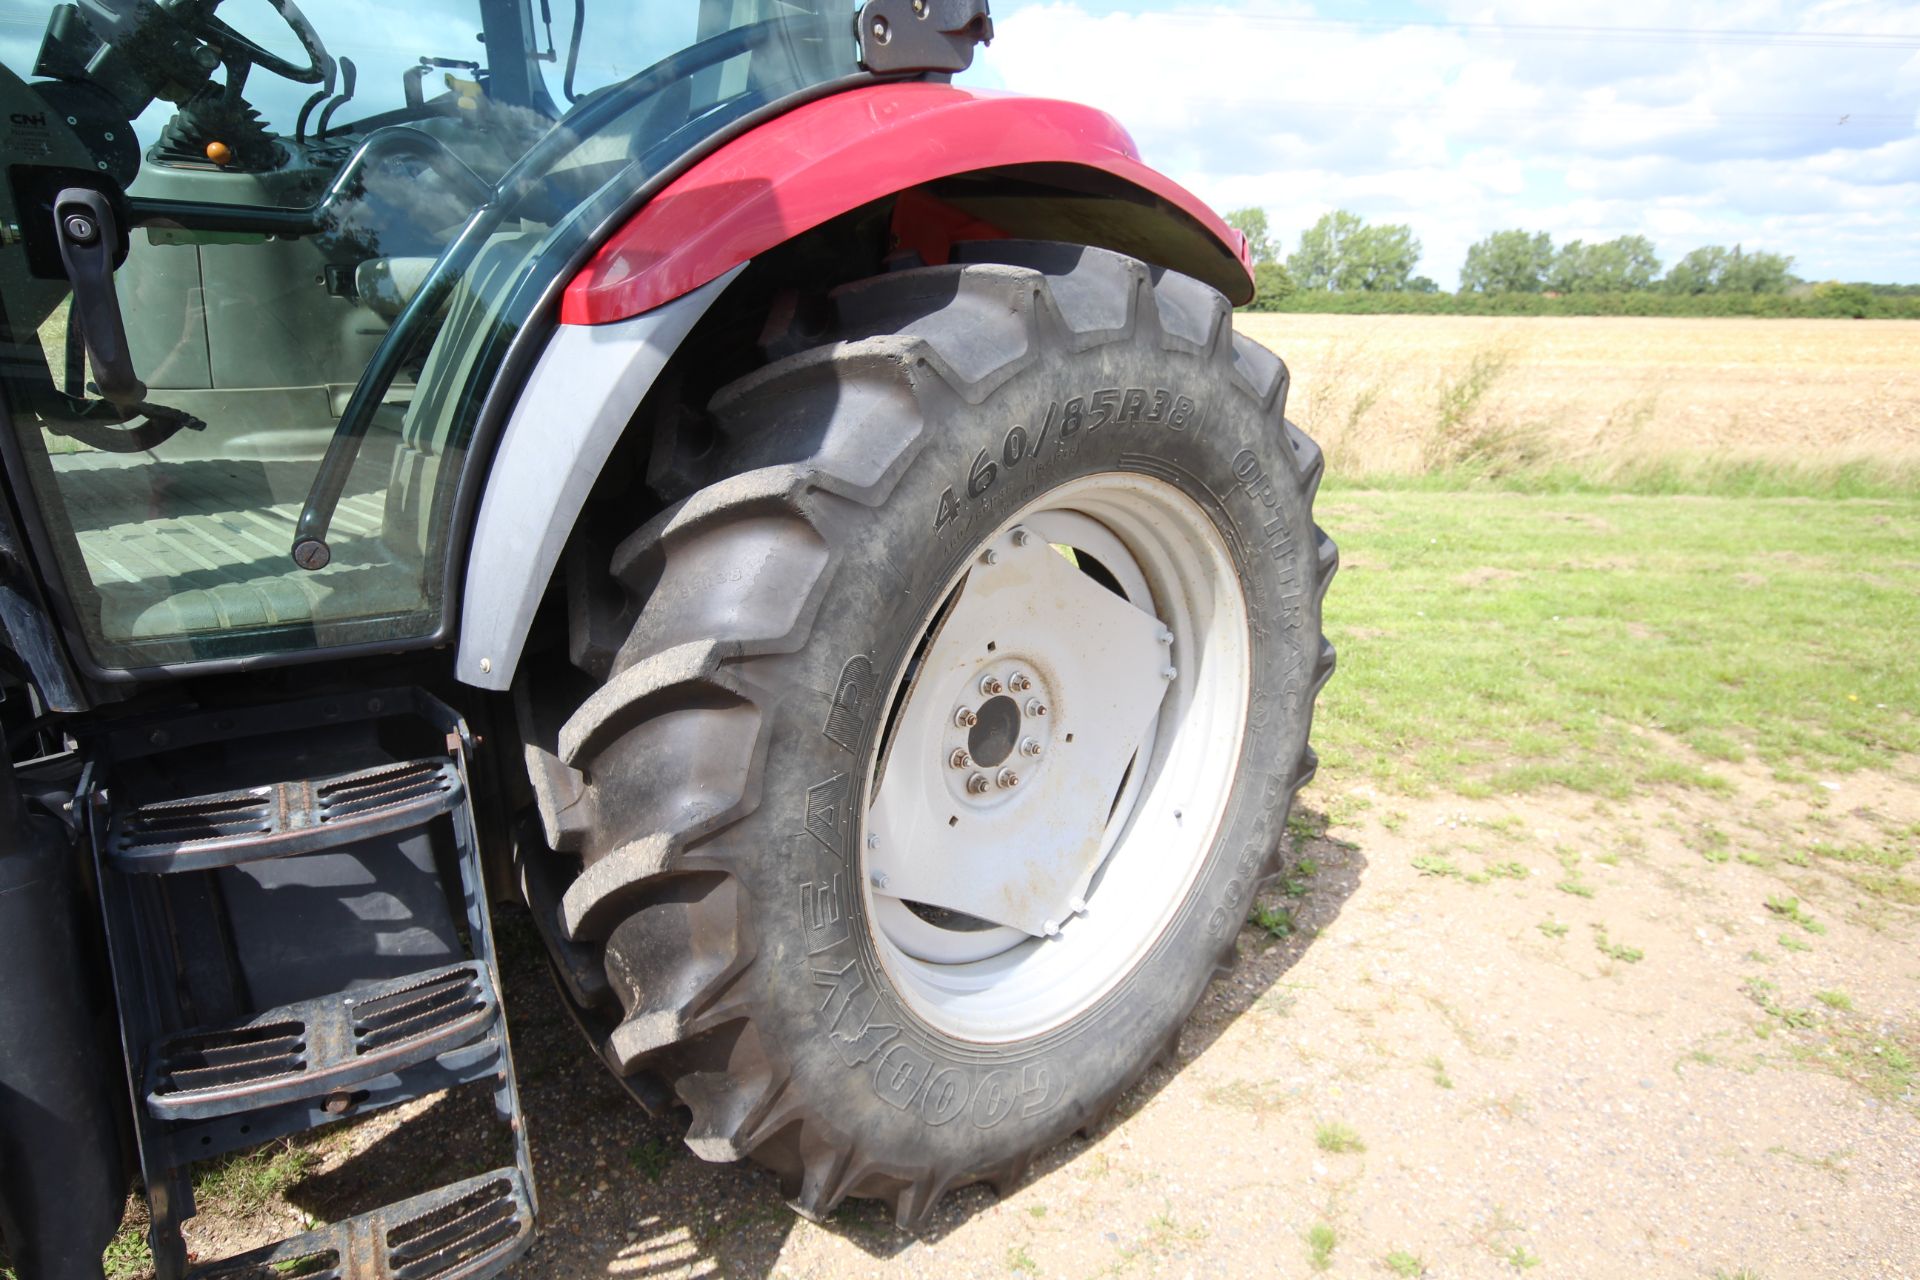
(1009, 779)
(1030, 747)
(977, 785)
(989, 686)
(1035, 707)
(1019, 682)
(1168, 673)
(1021, 537)
(965, 718)
(959, 759)
(991, 556)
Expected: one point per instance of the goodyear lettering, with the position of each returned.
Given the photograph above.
(852, 701)
(857, 1013)
(946, 1097)
(898, 1075)
(826, 813)
(821, 915)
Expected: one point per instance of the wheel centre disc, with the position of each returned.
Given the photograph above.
(1051, 780)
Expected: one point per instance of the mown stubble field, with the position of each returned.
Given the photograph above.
(1600, 950)
(1608, 399)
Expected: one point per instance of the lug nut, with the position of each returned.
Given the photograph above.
(1019, 682)
(977, 785)
(1009, 779)
(959, 759)
(989, 686)
(1030, 747)
(965, 718)
(1021, 537)
(1168, 673)
(1035, 707)
(990, 556)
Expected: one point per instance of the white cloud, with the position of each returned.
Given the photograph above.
(1469, 126)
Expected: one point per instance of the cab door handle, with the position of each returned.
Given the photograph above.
(89, 239)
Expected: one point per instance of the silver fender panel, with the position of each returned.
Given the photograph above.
(578, 400)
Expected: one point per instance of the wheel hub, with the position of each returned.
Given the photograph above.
(996, 731)
(1010, 751)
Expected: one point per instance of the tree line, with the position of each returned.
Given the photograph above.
(1345, 264)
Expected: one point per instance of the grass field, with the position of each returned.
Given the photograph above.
(1645, 405)
(1502, 641)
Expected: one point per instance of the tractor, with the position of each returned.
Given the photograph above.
(805, 532)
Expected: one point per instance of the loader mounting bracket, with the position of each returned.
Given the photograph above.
(922, 35)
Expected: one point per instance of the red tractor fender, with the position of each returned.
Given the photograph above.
(826, 158)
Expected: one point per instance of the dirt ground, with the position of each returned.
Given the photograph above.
(1561, 1034)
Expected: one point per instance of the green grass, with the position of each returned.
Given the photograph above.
(1875, 868)
(243, 1185)
(1337, 1138)
(1494, 642)
(1789, 908)
(127, 1254)
(1321, 1239)
(1404, 1263)
(651, 1158)
(1275, 922)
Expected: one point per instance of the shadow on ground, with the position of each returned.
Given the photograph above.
(621, 1196)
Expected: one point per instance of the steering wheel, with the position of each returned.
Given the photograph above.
(234, 46)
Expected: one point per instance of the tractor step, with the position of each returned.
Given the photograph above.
(319, 1047)
(469, 1229)
(283, 819)
(297, 921)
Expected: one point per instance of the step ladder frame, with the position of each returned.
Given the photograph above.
(165, 1148)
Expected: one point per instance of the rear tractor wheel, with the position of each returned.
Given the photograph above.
(943, 744)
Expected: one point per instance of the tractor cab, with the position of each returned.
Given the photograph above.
(258, 267)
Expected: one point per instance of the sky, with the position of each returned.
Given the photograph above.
(1788, 127)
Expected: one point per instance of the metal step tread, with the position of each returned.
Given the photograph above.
(470, 1229)
(321, 1046)
(282, 819)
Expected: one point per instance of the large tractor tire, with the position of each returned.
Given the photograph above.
(944, 742)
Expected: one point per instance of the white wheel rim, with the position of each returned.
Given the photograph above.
(1065, 878)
